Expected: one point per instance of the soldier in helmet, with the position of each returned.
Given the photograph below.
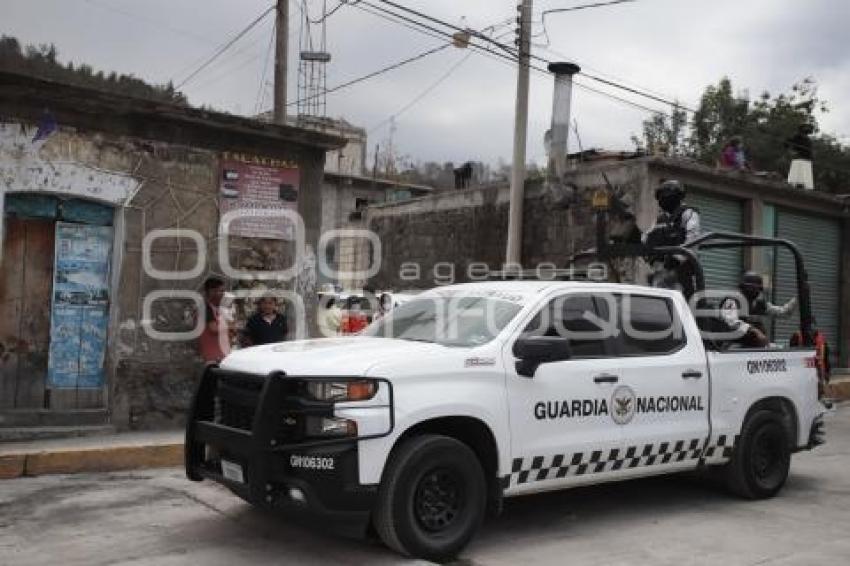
(752, 324)
(677, 224)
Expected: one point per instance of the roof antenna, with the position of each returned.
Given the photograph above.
(578, 140)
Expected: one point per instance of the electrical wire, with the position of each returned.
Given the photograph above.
(444, 23)
(431, 32)
(155, 22)
(427, 90)
(511, 58)
(231, 63)
(373, 74)
(261, 91)
(513, 55)
(508, 58)
(333, 11)
(574, 9)
(225, 47)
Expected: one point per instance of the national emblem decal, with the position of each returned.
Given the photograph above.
(623, 405)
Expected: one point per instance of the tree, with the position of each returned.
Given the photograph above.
(42, 61)
(764, 125)
(664, 134)
(719, 117)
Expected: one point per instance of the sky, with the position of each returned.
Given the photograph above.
(673, 48)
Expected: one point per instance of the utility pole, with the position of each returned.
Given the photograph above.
(514, 251)
(281, 54)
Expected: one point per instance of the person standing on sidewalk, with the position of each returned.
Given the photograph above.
(329, 316)
(214, 342)
(267, 325)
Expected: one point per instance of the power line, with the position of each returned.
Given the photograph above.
(261, 91)
(573, 9)
(431, 32)
(374, 73)
(440, 34)
(231, 63)
(444, 23)
(537, 57)
(510, 57)
(333, 11)
(584, 7)
(151, 21)
(434, 33)
(425, 92)
(226, 46)
(585, 68)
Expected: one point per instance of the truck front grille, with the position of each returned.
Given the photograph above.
(236, 400)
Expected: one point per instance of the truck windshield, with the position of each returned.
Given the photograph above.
(462, 321)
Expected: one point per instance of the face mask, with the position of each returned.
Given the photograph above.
(750, 292)
(669, 203)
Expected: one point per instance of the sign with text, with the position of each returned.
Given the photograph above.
(258, 187)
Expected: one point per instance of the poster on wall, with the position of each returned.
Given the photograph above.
(80, 310)
(262, 185)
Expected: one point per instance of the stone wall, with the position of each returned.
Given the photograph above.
(447, 234)
(150, 380)
(159, 167)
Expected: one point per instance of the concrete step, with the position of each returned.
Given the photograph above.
(104, 453)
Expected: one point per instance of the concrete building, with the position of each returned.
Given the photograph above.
(347, 160)
(345, 200)
(457, 236)
(93, 273)
(347, 189)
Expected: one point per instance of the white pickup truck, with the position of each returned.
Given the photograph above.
(470, 393)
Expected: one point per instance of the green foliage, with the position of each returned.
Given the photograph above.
(664, 134)
(720, 116)
(764, 126)
(42, 61)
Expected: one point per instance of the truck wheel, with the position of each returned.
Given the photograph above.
(762, 458)
(432, 498)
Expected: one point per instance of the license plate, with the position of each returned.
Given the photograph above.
(232, 471)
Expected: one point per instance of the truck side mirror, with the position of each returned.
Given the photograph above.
(535, 350)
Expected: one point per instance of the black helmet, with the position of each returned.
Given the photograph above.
(670, 189)
(752, 280)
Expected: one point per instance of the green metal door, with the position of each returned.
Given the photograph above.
(719, 214)
(819, 240)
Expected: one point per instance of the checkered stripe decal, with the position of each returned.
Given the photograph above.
(539, 468)
(720, 449)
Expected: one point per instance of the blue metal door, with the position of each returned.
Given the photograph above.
(80, 306)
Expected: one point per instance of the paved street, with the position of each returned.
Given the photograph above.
(158, 517)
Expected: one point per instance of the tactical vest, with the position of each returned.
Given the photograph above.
(669, 229)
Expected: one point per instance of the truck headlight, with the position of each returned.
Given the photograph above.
(339, 391)
(330, 427)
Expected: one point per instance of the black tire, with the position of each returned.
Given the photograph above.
(761, 459)
(432, 498)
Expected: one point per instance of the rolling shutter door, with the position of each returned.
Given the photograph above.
(719, 214)
(819, 240)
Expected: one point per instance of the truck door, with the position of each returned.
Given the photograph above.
(561, 427)
(661, 395)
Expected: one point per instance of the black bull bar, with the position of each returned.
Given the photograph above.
(258, 421)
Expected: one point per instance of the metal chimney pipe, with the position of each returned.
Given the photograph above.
(561, 100)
